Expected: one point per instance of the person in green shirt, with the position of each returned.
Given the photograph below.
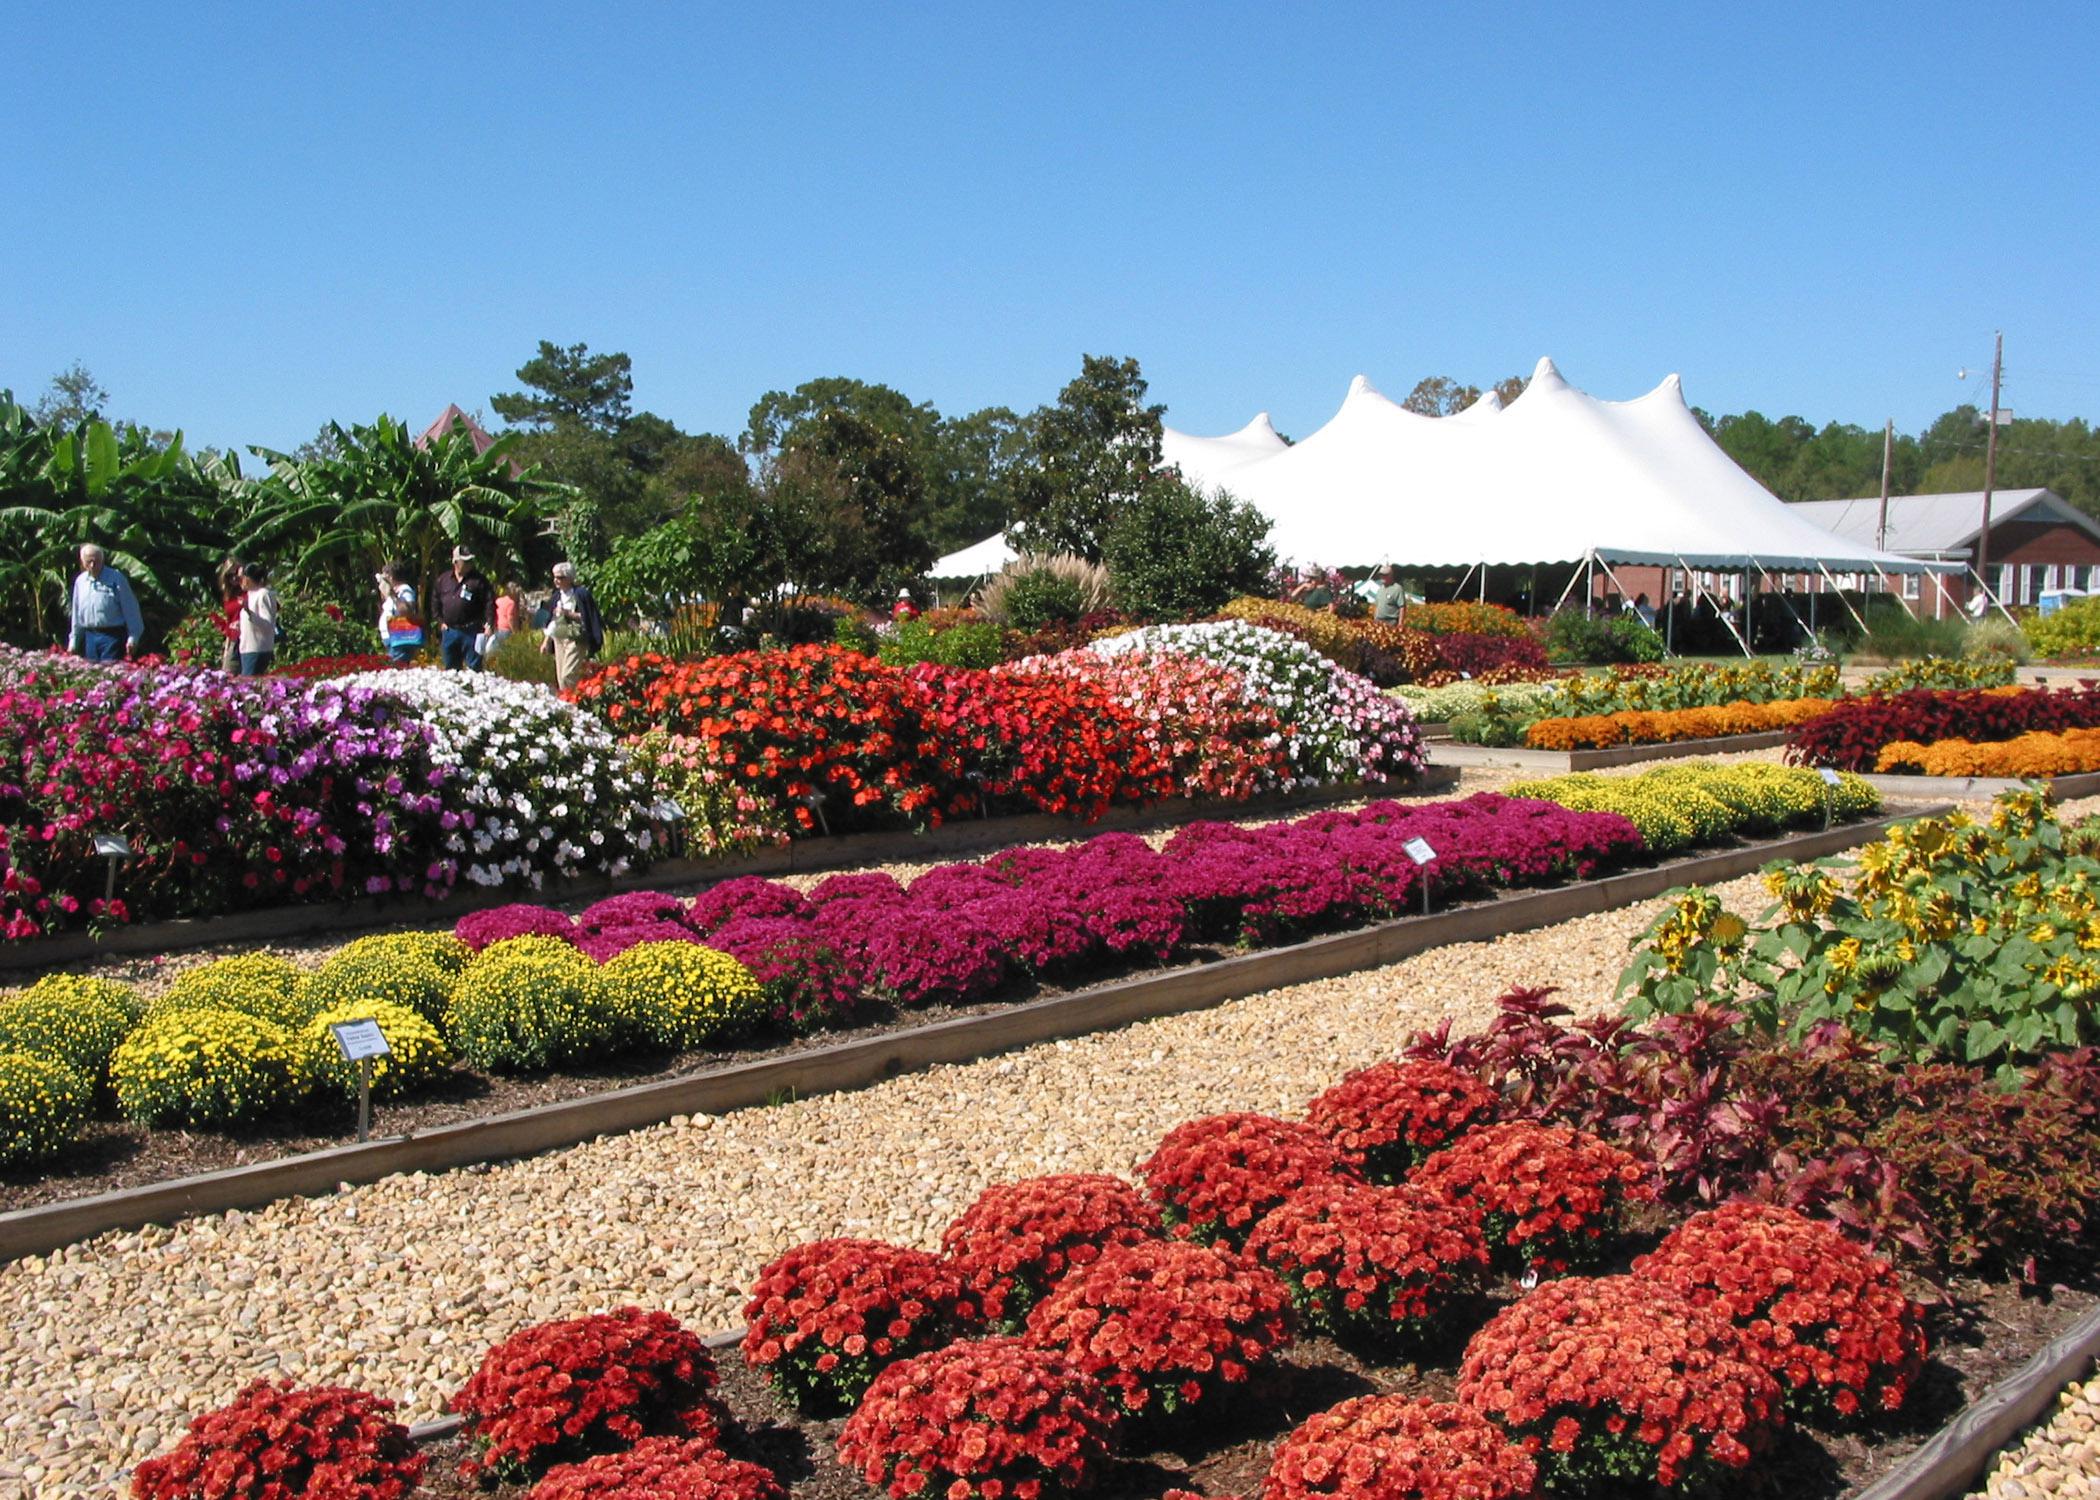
(1391, 601)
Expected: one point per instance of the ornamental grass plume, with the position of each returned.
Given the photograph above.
(563, 1391)
(827, 1317)
(1399, 1448)
(1165, 1325)
(1018, 1240)
(1827, 1318)
(982, 1419)
(274, 1442)
(1618, 1382)
(1214, 1177)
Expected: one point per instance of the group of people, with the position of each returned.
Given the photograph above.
(473, 617)
(1387, 595)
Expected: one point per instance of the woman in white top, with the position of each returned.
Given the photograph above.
(400, 623)
(258, 621)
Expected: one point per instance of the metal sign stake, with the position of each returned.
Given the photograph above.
(364, 1100)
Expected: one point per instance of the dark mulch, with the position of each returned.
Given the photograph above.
(1980, 1335)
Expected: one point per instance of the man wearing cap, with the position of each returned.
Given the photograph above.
(463, 601)
(106, 622)
(1390, 602)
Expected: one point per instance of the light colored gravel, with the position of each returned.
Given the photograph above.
(2059, 1457)
(398, 1286)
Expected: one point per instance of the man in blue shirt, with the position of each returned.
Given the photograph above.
(106, 620)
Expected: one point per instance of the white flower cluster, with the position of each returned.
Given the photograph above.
(539, 787)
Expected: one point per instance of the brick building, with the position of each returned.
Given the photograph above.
(2039, 542)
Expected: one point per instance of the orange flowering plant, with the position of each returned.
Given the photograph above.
(1548, 1198)
(1371, 1262)
(1213, 1177)
(827, 1317)
(1019, 1239)
(1388, 1117)
(1399, 1448)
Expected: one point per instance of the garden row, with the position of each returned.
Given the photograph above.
(1993, 732)
(524, 989)
(213, 793)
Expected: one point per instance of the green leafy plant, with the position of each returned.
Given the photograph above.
(204, 1067)
(528, 1004)
(966, 643)
(1175, 553)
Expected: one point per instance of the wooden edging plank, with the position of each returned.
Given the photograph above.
(1978, 788)
(959, 837)
(857, 1062)
(1563, 762)
(1951, 1458)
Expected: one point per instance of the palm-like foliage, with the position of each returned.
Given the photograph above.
(163, 516)
(382, 494)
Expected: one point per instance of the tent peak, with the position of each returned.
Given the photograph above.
(1546, 373)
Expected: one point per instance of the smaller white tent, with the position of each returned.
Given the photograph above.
(1207, 455)
(978, 560)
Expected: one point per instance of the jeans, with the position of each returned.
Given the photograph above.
(102, 645)
(459, 648)
(255, 663)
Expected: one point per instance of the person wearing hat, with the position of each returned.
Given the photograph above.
(1390, 602)
(463, 600)
(574, 632)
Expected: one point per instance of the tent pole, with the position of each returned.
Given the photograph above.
(1996, 602)
(1483, 583)
(1886, 589)
(1767, 577)
(1460, 592)
(1562, 602)
(1727, 617)
(1859, 619)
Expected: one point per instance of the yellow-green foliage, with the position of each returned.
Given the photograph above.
(2073, 630)
(681, 994)
(88, 988)
(255, 984)
(370, 976)
(444, 950)
(43, 1104)
(204, 1067)
(526, 1004)
(419, 1056)
(80, 1030)
(1676, 806)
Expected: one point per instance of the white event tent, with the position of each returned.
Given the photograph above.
(978, 560)
(1556, 476)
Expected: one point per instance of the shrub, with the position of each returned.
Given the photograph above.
(1941, 674)
(418, 1056)
(565, 1390)
(1164, 1325)
(44, 1102)
(1038, 589)
(808, 982)
(1575, 635)
(523, 1010)
(272, 1442)
(1547, 1198)
(981, 1418)
(827, 1317)
(975, 644)
(1386, 1118)
(405, 978)
(80, 1028)
(1213, 1177)
(1825, 1317)
(255, 984)
(1019, 1239)
(1399, 1448)
(678, 994)
(1371, 1262)
(1174, 552)
(2073, 630)
(661, 1468)
(1616, 1382)
(479, 929)
(204, 1067)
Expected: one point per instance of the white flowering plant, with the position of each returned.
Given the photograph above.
(1337, 725)
(537, 788)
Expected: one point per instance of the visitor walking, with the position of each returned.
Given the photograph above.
(106, 624)
(233, 592)
(509, 609)
(574, 631)
(259, 630)
(400, 618)
(1391, 600)
(1643, 610)
(461, 599)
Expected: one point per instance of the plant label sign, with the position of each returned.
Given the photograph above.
(360, 1040)
(1419, 851)
(1830, 777)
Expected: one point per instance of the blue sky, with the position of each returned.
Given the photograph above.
(246, 220)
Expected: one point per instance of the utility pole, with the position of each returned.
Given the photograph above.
(1888, 443)
(1990, 468)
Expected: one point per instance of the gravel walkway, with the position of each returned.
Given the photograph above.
(400, 1285)
(2059, 1457)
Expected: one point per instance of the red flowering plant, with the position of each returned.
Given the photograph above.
(827, 1317)
(1548, 1198)
(1618, 1382)
(619, 692)
(478, 929)
(1399, 1448)
(1165, 1325)
(561, 1391)
(1388, 1117)
(1826, 1317)
(1031, 741)
(661, 1468)
(320, 668)
(1019, 1239)
(1213, 1177)
(1367, 1262)
(288, 1442)
(982, 1419)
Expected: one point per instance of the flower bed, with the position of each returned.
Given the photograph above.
(1668, 726)
(1851, 734)
(1481, 714)
(1678, 806)
(2042, 753)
